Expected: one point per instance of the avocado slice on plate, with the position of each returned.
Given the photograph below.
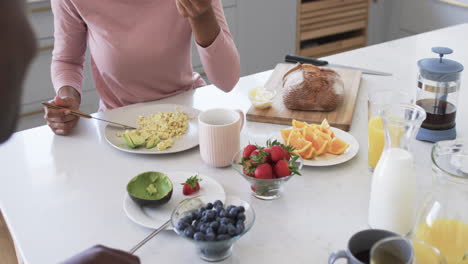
(136, 138)
(151, 142)
(150, 188)
(128, 140)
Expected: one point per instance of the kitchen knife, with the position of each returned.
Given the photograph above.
(84, 115)
(295, 59)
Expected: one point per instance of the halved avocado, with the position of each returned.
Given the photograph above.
(150, 188)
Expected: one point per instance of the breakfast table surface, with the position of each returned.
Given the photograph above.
(62, 194)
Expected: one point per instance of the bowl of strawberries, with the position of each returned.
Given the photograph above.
(267, 168)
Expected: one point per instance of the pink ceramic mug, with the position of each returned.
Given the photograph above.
(219, 135)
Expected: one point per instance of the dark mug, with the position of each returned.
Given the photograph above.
(360, 245)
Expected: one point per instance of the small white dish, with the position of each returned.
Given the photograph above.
(187, 141)
(328, 159)
(154, 217)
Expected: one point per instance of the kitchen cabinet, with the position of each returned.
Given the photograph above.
(327, 27)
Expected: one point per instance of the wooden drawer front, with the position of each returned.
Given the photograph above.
(317, 7)
(334, 47)
(327, 17)
(340, 28)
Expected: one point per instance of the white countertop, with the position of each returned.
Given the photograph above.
(60, 195)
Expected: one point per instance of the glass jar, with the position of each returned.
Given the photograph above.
(443, 219)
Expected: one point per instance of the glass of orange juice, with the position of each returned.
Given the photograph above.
(376, 140)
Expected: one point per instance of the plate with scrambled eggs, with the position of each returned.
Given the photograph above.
(161, 129)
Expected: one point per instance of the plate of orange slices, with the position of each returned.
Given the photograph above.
(320, 145)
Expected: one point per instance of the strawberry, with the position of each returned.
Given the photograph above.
(282, 168)
(248, 168)
(264, 171)
(287, 150)
(191, 185)
(259, 156)
(248, 150)
(277, 153)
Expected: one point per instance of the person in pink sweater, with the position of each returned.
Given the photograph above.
(140, 51)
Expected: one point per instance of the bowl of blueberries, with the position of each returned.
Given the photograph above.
(213, 223)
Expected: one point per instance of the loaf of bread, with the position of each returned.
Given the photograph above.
(307, 87)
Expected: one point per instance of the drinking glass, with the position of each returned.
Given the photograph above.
(400, 250)
(376, 139)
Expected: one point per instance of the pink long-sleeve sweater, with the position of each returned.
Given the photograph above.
(140, 50)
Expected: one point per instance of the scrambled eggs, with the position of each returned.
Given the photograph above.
(158, 130)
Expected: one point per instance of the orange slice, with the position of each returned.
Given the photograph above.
(310, 154)
(298, 124)
(323, 135)
(320, 145)
(325, 128)
(309, 133)
(285, 133)
(337, 146)
(297, 141)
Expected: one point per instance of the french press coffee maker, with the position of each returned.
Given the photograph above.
(438, 89)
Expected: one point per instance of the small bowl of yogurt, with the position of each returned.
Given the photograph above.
(261, 98)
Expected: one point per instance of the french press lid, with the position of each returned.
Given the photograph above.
(440, 69)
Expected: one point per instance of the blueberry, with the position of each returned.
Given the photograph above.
(188, 232)
(218, 209)
(222, 229)
(209, 206)
(181, 225)
(203, 227)
(218, 203)
(239, 228)
(211, 216)
(239, 222)
(225, 221)
(195, 215)
(187, 219)
(204, 213)
(199, 236)
(232, 230)
(196, 224)
(200, 210)
(223, 213)
(210, 236)
(241, 217)
(229, 207)
(209, 230)
(203, 219)
(222, 237)
(214, 225)
(241, 209)
(233, 213)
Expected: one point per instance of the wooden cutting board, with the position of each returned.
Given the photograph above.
(279, 114)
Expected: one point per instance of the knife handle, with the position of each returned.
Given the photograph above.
(294, 58)
(73, 112)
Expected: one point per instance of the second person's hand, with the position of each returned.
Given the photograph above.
(62, 121)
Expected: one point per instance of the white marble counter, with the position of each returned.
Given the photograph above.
(60, 195)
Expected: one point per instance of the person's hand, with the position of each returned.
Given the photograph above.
(61, 121)
(193, 8)
(100, 254)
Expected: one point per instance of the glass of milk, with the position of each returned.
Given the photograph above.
(393, 190)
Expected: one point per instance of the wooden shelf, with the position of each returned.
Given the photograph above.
(326, 27)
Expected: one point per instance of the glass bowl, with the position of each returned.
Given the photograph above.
(261, 98)
(216, 250)
(264, 189)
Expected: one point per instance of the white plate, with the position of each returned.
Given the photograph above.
(187, 141)
(328, 159)
(157, 216)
